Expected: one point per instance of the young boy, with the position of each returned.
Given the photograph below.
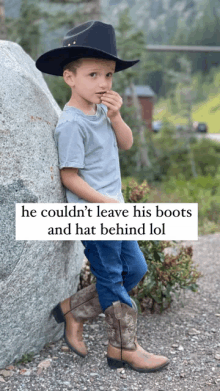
(88, 135)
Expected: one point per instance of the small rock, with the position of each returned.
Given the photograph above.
(181, 348)
(213, 330)
(94, 374)
(55, 358)
(22, 371)
(2, 379)
(175, 345)
(102, 315)
(120, 370)
(5, 373)
(44, 364)
(217, 356)
(65, 348)
(27, 372)
(123, 376)
(217, 315)
(10, 367)
(94, 326)
(193, 332)
(182, 375)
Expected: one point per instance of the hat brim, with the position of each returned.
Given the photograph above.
(54, 61)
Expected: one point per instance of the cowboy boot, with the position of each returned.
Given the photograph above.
(123, 347)
(74, 311)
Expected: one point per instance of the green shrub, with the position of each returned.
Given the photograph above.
(167, 274)
(173, 155)
(203, 190)
(26, 358)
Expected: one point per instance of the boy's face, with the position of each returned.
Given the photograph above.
(92, 79)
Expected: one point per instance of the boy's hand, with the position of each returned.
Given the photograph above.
(113, 101)
(109, 200)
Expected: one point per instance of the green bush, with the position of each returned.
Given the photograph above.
(203, 190)
(173, 155)
(167, 274)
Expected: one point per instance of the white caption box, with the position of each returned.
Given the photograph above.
(141, 221)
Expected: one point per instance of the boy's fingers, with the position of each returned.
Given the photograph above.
(112, 107)
(112, 99)
(112, 93)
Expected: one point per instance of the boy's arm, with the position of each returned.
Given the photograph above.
(72, 181)
(122, 131)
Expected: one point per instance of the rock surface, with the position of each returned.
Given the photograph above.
(34, 275)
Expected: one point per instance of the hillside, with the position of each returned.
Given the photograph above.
(159, 18)
(207, 111)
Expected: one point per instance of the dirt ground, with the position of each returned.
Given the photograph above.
(189, 336)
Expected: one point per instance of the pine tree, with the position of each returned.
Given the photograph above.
(26, 29)
(3, 31)
(184, 100)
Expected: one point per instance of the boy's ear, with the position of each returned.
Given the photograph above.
(69, 78)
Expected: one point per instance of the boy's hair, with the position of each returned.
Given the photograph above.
(73, 65)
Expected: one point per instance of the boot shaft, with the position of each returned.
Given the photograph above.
(85, 304)
(121, 322)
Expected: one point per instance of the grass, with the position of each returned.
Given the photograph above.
(160, 194)
(205, 226)
(26, 358)
(208, 111)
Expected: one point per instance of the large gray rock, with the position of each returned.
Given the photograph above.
(34, 275)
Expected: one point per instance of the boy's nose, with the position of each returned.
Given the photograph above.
(103, 83)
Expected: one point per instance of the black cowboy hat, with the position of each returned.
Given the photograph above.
(92, 39)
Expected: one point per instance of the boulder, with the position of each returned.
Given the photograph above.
(34, 275)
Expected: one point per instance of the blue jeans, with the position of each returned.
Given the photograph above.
(118, 267)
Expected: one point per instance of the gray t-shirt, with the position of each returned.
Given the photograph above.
(88, 142)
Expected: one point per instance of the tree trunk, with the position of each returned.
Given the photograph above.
(3, 32)
(145, 161)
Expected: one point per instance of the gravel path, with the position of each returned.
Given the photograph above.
(189, 336)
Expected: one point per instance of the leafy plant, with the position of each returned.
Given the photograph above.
(134, 192)
(28, 357)
(167, 274)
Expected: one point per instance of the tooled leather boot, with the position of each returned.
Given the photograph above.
(123, 348)
(74, 311)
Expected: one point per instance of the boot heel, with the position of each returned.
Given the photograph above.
(58, 314)
(113, 363)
